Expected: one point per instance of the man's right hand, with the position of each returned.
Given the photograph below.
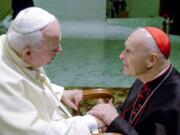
(105, 112)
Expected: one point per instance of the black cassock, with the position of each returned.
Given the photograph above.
(160, 115)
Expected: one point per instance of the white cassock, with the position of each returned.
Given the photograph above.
(30, 107)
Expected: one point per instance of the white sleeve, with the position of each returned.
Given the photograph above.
(58, 90)
(90, 122)
(79, 125)
(87, 120)
(24, 110)
(18, 116)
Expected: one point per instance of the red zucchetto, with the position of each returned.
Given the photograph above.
(162, 40)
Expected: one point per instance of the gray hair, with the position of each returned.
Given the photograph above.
(26, 29)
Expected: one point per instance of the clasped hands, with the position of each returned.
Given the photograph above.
(104, 113)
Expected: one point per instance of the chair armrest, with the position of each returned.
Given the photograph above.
(94, 94)
(97, 93)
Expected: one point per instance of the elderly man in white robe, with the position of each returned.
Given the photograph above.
(29, 103)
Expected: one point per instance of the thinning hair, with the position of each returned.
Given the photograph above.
(20, 41)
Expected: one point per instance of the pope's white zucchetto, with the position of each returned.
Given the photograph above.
(31, 19)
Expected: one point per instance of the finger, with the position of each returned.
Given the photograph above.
(95, 113)
(110, 101)
(72, 105)
(78, 97)
(100, 101)
(77, 100)
(104, 129)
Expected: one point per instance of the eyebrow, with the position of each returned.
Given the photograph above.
(130, 49)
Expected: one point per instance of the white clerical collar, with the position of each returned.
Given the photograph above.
(161, 73)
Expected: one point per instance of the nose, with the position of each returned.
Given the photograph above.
(121, 56)
(59, 49)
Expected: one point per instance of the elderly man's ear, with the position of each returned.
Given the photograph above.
(26, 54)
(152, 60)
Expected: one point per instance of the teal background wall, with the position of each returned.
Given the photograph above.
(143, 8)
(91, 45)
(75, 9)
(88, 9)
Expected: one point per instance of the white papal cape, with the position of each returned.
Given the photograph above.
(28, 104)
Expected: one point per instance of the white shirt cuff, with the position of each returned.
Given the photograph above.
(90, 122)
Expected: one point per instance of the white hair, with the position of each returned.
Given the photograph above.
(26, 29)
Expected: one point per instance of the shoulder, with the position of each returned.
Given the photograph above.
(2, 42)
(175, 75)
(173, 83)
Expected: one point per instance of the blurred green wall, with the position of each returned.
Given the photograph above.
(88, 9)
(75, 9)
(5, 8)
(143, 8)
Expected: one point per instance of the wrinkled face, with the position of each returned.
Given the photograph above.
(135, 55)
(47, 52)
(50, 46)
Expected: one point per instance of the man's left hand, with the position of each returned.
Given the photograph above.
(72, 98)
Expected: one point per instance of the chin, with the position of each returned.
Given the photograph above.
(127, 73)
(48, 62)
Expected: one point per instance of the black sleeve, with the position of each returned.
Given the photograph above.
(131, 96)
(119, 125)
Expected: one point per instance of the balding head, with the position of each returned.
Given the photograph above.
(142, 57)
(153, 39)
(143, 40)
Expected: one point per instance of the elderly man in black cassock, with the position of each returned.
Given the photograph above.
(153, 104)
